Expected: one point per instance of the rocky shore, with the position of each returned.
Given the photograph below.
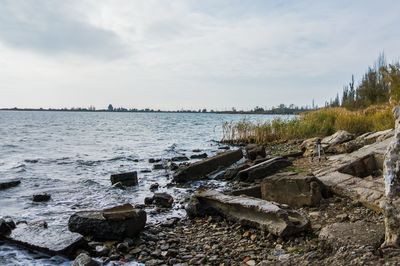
(281, 205)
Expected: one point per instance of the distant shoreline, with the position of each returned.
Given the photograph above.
(268, 112)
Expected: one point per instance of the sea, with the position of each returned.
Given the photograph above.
(71, 155)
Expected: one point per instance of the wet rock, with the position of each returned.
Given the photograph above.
(84, 260)
(264, 169)
(253, 151)
(224, 148)
(267, 216)
(5, 228)
(145, 171)
(163, 200)
(293, 190)
(127, 179)
(122, 247)
(154, 186)
(53, 240)
(152, 160)
(201, 169)
(179, 159)
(5, 184)
(173, 166)
(41, 197)
(353, 234)
(158, 166)
(148, 200)
(199, 156)
(119, 185)
(109, 224)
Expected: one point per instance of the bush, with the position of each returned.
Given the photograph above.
(319, 123)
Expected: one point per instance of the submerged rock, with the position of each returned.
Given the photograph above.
(201, 169)
(293, 190)
(199, 156)
(109, 224)
(267, 216)
(126, 179)
(41, 197)
(5, 228)
(5, 184)
(263, 169)
(179, 159)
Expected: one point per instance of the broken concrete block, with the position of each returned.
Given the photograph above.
(126, 179)
(201, 169)
(293, 190)
(52, 240)
(267, 216)
(110, 224)
(263, 169)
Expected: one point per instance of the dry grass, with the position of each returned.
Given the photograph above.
(322, 122)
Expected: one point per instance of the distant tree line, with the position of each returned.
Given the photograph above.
(380, 84)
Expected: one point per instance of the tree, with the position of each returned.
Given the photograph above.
(110, 108)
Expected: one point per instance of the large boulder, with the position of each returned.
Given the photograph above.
(203, 168)
(9, 183)
(353, 234)
(254, 191)
(293, 190)
(126, 179)
(263, 169)
(267, 216)
(110, 224)
(49, 239)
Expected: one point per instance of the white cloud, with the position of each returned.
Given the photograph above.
(191, 54)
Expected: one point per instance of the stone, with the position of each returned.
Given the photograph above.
(179, 159)
(41, 197)
(231, 172)
(127, 179)
(52, 240)
(158, 166)
(148, 200)
(360, 233)
(109, 224)
(154, 186)
(308, 146)
(199, 156)
(5, 228)
(9, 183)
(254, 191)
(263, 169)
(267, 216)
(202, 168)
(253, 151)
(84, 260)
(293, 190)
(152, 160)
(102, 251)
(119, 185)
(163, 200)
(339, 137)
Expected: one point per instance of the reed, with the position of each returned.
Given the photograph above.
(319, 123)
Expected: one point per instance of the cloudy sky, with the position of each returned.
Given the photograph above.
(188, 54)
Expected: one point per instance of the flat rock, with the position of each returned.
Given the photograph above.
(254, 191)
(9, 183)
(126, 179)
(202, 168)
(110, 224)
(353, 234)
(267, 216)
(339, 137)
(263, 169)
(53, 240)
(293, 190)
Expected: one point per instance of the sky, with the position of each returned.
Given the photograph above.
(188, 54)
